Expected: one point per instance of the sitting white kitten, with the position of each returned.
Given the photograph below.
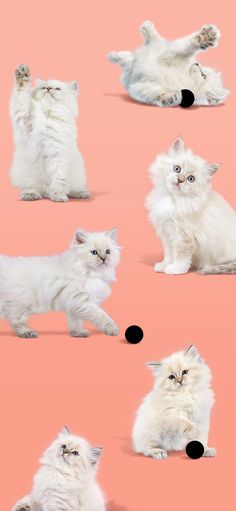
(76, 282)
(157, 72)
(66, 480)
(196, 224)
(178, 408)
(47, 162)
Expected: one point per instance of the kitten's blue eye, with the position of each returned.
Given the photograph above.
(108, 251)
(75, 453)
(191, 179)
(57, 88)
(94, 252)
(177, 169)
(185, 371)
(171, 377)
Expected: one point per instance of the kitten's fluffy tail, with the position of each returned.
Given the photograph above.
(223, 268)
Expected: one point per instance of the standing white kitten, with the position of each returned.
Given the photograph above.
(76, 282)
(47, 161)
(158, 71)
(178, 408)
(196, 224)
(66, 480)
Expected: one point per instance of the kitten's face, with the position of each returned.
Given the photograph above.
(71, 452)
(182, 371)
(53, 92)
(98, 250)
(183, 173)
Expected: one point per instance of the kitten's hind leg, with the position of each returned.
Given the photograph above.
(18, 324)
(123, 58)
(156, 452)
(152, 94)
(149, 32)
(89, 311)
(30, 194)
(76, 326)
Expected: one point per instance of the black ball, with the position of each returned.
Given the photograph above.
(134, 334)
(188, 98)
(194, 449)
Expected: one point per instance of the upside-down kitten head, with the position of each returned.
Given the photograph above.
(184, 370)
(97, 249)
(52, 92)
(182, 173)
(71, 453)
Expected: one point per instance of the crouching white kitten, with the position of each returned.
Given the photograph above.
(47, 161)
(66, 479)
(178, 408)
(158, 71)
(76, 282)
(196, 224)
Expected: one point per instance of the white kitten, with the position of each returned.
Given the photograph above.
(66, 479)
(178, 408)
(196, 224)
(76, 282)
(47, 162)
(157, 72)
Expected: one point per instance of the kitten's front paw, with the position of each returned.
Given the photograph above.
(208, 36)
(83, 194)
(29, 195)
(27, 334)
(22, 74)
(210, 452)
(160, 267)
(81, 333)
(58, 197)
(146, 27)
(111, 329)
(172, 98)
(22, 507)
(177, 269)
(158, 454)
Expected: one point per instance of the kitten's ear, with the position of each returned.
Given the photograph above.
(95, 454)
(192, 352)
(80, 237)
(65, 431)
(213, 167)
(154, 366)
(38, 82)
(74, 85)
(112, 233)
(177, 146)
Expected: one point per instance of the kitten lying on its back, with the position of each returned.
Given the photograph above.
(178, 408)
(157, 72)
(76, 282)
(196, 224)
(66, 479)
(47, 162)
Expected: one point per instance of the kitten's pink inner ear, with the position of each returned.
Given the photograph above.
(213, 167)
(80, 237)
(178, 145)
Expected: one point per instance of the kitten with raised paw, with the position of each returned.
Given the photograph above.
(160, 70)
(177, 410)
(76, 281)
(197, 226)
(66, 480)
(47, 162)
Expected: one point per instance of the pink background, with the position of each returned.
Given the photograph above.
(95, 385)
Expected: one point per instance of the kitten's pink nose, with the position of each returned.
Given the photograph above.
(180, 180)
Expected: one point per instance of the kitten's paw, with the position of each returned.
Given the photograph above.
(177, 269)
(146, 27)
(111, 329)
(158, 454)
(208, 36)
(22, 74)
(113, 56)
(23, 506)
(29, 195)
(81, 333)
(160, 267)
(172, 98)
(83, 194)
(27, 334)
(59, 197)
(210, 452)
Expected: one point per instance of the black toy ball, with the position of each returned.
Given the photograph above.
(194, 450)
(188, 98)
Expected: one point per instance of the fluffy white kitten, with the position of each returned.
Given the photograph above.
(196, 224)
(47, 162)
(178, 408)
(157, 72)
(76, 282)
(66, 478)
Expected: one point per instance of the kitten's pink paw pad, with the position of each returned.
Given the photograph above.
(22, 73)
(208, 36)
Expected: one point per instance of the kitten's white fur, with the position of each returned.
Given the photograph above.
(76, 282)
(196, 224)
(47, 162)
(176, 411)
(157, 72)
(66, 482)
